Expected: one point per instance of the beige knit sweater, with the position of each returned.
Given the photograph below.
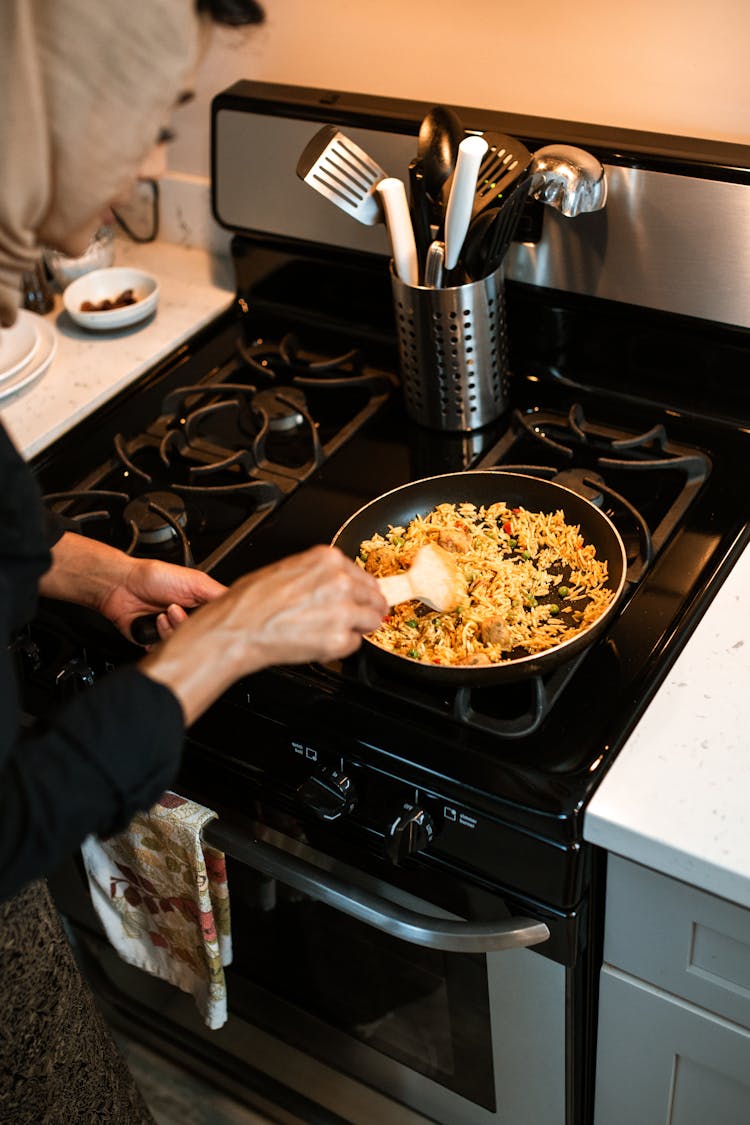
(84, 90)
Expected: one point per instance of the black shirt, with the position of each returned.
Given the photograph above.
(107, 754)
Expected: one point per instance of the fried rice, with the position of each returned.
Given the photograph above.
(532, 583)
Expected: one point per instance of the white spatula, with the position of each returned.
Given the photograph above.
(433, 578)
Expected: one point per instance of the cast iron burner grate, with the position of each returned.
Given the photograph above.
(277, 408)
(647, 474)
(514, 710)
(224, 452)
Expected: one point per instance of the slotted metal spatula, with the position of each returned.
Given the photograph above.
(339, 169)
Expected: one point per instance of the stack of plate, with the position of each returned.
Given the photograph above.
(26, 351)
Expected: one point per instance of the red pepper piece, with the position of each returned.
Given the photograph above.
(507, 527)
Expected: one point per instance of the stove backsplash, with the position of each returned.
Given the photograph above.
(672, 237)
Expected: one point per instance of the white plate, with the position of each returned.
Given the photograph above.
(37, 365)
(18, 344)
(109, 284)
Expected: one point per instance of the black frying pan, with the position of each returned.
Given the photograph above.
(484, 487)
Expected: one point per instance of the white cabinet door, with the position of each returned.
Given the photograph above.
(682, 940)
(663, 1061)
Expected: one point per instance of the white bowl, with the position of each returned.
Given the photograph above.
(108, 284)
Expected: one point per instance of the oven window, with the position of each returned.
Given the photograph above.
(323, 981)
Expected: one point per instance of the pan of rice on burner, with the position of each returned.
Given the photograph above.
(543, 571)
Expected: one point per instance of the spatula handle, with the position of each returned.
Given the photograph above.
(398, 220)
(461, 199)
(396, 588)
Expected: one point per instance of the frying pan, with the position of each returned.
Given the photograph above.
(485, 487)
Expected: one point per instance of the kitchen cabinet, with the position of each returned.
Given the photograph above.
(674, 1004)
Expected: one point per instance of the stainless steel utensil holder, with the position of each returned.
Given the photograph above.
(453, 351)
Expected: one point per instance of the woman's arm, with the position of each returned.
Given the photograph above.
(312, 606)
(123, 588)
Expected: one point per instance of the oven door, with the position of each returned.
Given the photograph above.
(368, 1000)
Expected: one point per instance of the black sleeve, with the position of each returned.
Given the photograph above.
(56, 525)
(111, 752)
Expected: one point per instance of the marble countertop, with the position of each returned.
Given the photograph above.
(676, 797)
(91, 367)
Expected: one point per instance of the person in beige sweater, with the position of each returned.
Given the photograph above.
(85, 90)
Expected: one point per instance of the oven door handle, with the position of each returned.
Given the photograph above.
(398, 921)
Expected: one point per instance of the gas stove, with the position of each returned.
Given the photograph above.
(235, 462)
(286, 415)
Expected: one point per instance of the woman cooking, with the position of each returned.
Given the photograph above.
(85, 90)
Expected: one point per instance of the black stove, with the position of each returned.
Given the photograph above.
(275, 428)
(350, 786)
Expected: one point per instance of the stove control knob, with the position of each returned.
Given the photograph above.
(410, 832)
(328, 793)
(28, 653)
(76, 674)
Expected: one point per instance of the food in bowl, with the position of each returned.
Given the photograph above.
(532, 584)
(111, 298)
(127, 297)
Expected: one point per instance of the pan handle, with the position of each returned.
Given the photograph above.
(399, 922)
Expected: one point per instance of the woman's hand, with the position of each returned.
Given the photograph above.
(312, 606)
(123, 588)
(154, 587)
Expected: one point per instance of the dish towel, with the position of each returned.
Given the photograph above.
(162, 897)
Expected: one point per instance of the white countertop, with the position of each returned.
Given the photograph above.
(90, 367)
(677, 798)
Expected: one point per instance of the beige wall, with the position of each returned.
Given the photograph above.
(674, 66)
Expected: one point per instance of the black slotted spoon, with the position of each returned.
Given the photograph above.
(504, 164)
(491, 232)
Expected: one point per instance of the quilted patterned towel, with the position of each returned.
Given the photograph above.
(162, 897)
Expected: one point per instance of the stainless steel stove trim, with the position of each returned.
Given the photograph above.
(678, 243)
(675, 243)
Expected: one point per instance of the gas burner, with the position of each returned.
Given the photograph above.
(268, 359)
(643, 477)
(157, 516)
(588, 485)
(279, 407)
(189, 509)
(571, 436)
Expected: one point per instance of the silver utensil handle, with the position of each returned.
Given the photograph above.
(409, 925)
(433, 269)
